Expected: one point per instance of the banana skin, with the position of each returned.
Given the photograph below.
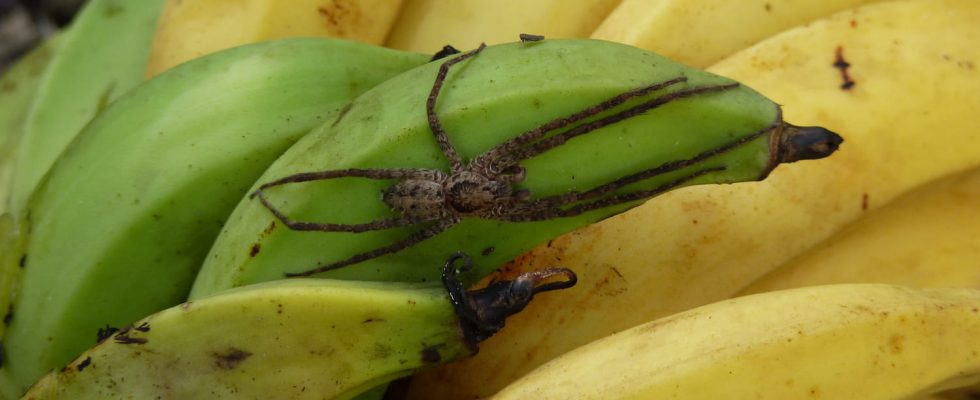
(296, 339)
(487, 100)
(169, 161)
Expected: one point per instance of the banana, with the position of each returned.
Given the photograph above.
(192, 28)
(169, 161)
(295, 339)
(428, 25)
(702, 32)
(104, 55)
(18, 87)
(857, 341)
(488, 99)
(922, 239)
(906, 121)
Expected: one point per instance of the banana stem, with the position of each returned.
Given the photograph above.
(482, 312)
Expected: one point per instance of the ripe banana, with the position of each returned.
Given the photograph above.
(18, 87)
(858, 341)
(169, 160)
(428, 25)
(192, 28)
(295, 339)
(702, 32)
(103, 56)
(923, 239)
(906, 122)
(490, 98)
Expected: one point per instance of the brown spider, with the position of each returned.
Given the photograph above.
(484, 187)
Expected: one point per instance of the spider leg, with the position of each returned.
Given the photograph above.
(549, 208)
(487, 159)
(551, 142)
(386, 223)
(415, 238)
(455, 161)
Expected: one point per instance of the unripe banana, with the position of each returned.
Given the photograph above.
(193, 28)
(857, 341)
(104, 55)
(708, 130)
(293, 339)
(428, 25)
(922, 239)
(18, 88)
(126, 216)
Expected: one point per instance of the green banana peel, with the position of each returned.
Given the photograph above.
(291, 339)
(486, 100)
(124, 219)
(104, 55)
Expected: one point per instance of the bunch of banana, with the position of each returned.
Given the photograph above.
(190, 29)
(854, 341)
(905, 122)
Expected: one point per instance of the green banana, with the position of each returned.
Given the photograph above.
(726, 134)
(105, 53)
(124, 219)
(18, 87)
(295, 339)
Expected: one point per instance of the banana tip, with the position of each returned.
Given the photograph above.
(806, 143)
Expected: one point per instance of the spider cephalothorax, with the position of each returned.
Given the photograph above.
(485, 187)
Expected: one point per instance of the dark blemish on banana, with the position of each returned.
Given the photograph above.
(446, 51)
(231, 358)
(85, 363)
(329, 15)
(105, 333)
(768, 7)
(343, 113)
(252, 252)
(616, 271)
(23, 261)
(370, 320)
(488, 251)
(854, 23)
(530, 38)
(430, 355)
(112, 10)
(9, 316)
(144, 327)
(864, 201)
(843, 65)
(122, 337)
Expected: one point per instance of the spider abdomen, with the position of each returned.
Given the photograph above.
(417, 199)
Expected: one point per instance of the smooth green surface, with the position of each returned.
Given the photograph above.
(124, 220)
(494, 96)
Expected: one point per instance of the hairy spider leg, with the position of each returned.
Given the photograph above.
(455, 162)
(383, 174)
(414, 238)
(571, 197)
(488, 162)
(538, 211)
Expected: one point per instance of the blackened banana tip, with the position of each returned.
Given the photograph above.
(807, 143)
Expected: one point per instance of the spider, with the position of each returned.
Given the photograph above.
(484, 188)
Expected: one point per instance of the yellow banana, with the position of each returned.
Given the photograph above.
(906, 121)
(295, 339)
(192, 28)
(926, 238)
(428, 25)
(858, 341)
(702, 32)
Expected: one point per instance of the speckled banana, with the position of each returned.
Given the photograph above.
(192, 28)
(127, 214)
(702, 32)
(906, 122)
(294, 339)
(857, 341)
(681, 127)
(921, 239)
(428, 25)
(104, 55)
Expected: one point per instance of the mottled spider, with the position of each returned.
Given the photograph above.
(484, 188)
